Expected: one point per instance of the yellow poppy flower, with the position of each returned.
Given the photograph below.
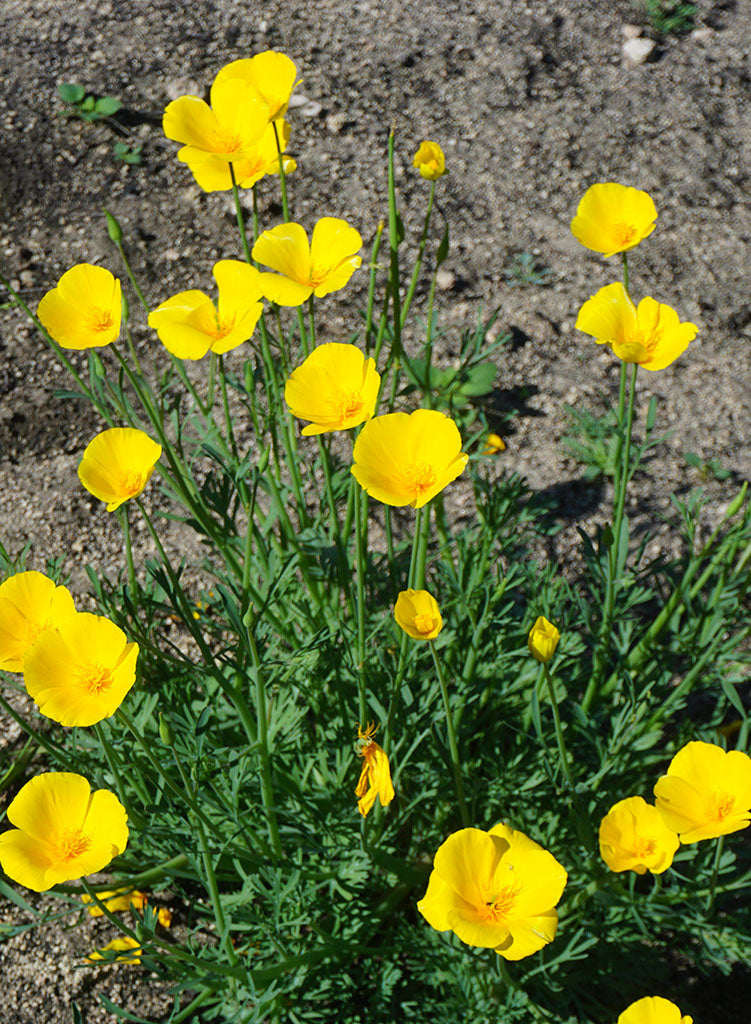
(164, 917)
(633, 837)
(271, 75)
(84, 309)
(407, 458)
(496, 889)
(325, 265)
(649, 334)
(114, 900)
(80, 672)
(212, 172)
(430, 161)
(543, 639)
(418, 614)
(63, 831)
(494, 445)
(30, 604)
(189, 324)
(375, 777)
(117, 464)
(335, 388)
(653, 1010)
(706, 792)
(230, 128)
(125, 944)
(613, 218)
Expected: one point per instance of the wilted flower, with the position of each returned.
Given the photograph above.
(30, 604)
(229, 129)
(114, 900)
(494, 445)
(80, 672)
(633, 837)
(653, 1010)
(613, 218)
(336, 388)
(375, 777)
(125, 944)
(649, 334)
(189, 324)
(325, 265)
(272, 76)
(430, 161)
(117, 465)
(496, 889)
(84, 309)
(543, 639)
(418, 614)
(63, 831)
(706, 792)
(407, 458)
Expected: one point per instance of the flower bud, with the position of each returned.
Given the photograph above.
(542, 640)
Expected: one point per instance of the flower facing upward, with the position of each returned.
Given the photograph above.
(229, 129)
(430, 161)
(189, 324)
(335, 388)
(650, 334)
(613, 218)
(117, 465)
(63, 831)
(80, 672)
(115, 900)
(706, 792)
(407, 458)
(212, 172)
(84, 308)
(633, 837)
(653, 1010)
(418, 614)
(375, 777)
(325, 265)
(30, 604)
(543, 639)
(271, 75)
(125, 944)
(496, 889)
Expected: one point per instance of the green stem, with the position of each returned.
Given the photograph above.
(225, 404)
(362, 556)
(624, 257)
(371, 285)
(453, 747)
(131, 275)
(240, 216)
(109, 753)
(282, 175)
(267, 788)
(122, 514)
(562, 752)
(715, 873)
(420, 254)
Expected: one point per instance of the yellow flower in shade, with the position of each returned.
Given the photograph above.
(117, 465)
(212, 172)
(543, 639)
(229, 129)
(189, 324)
(633, 837)
(325, 265)
(115, 900)
(80, 672)
(430, 161)
(653, 1010)
(496, 889)
(650, 334)
(706, 792)
(30, 604)
(271, 75)
(375, 777)
(336, 388)
(495, 444)
(84, 308)
(164, 917)
(613, 218)
(407, 458)
(418, 614)
(63, 831)
(125, 944)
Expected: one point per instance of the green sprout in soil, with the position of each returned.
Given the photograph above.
(85, 105)
(711, 468)
(523, 269)
(670, 16)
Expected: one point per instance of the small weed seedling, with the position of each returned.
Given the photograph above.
(707, 469)
(670, 16)
(523, 269)
(84, 105)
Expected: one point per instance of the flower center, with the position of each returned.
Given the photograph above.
(227, 142)
(130, 483)
(70, 845)
(96, 678)
(644, 848)
(223, 327)
(419, 478)
(624, 234)
(498, 907)
(424, 623)
(348, 403)
(721, 805)
(99, 320)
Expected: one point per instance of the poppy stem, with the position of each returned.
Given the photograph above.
(371, 285)
(453, 747)
(562, 751)
(122, 514)
(420, 253)
(240, 216)
(362, 565)
(715, 873)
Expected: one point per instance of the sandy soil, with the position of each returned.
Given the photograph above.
(531, 101)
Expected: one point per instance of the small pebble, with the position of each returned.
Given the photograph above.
(636, 51)
(445, 280)
(630, 31)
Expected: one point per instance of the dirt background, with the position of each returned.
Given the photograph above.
(532, 102)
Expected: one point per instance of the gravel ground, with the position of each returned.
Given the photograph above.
(531, 101)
